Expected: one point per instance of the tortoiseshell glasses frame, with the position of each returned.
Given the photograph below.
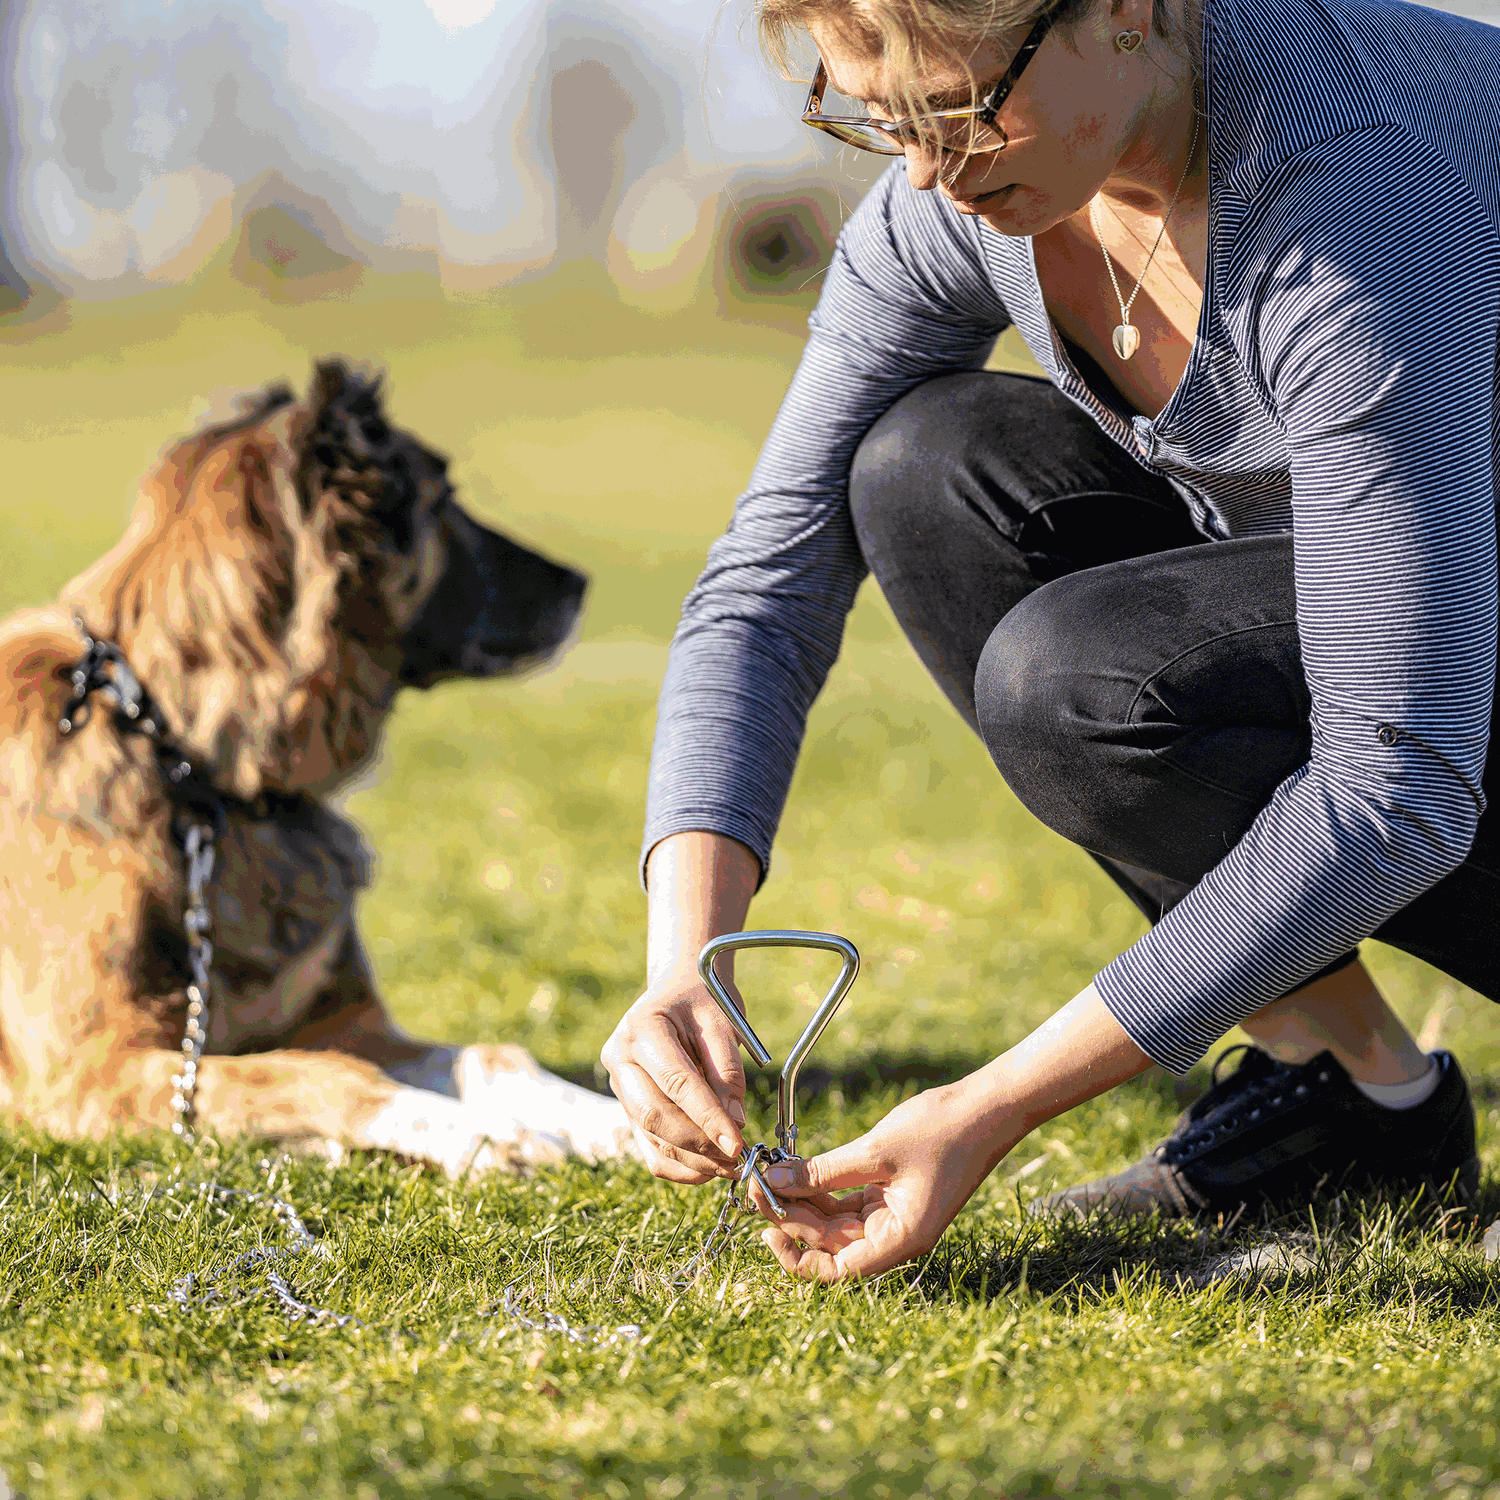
(892, 137)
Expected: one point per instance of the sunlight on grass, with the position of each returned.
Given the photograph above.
(1027, 1359)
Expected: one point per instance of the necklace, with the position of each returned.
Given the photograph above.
(1127, 337)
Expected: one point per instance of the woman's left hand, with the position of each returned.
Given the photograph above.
(916, 1169)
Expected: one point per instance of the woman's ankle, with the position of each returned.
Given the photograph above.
(1343, 1013)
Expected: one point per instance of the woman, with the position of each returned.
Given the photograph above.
(1221, 600)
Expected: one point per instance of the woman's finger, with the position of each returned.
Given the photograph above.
(872, 1255)
(674, 1073)
(652, 1045)
(669, 1165)
(719, 1052)
(861, 1257)
(823, 1202)
(849, 1166)
(648, 1108)
(818, 1233)
(809, 1264)
(663, 1151)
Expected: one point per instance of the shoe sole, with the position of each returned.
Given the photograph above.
(1460, 1191)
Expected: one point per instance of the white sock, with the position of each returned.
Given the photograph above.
(1404, 1095)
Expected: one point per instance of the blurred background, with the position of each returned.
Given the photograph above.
(482, 144)
(581, 237)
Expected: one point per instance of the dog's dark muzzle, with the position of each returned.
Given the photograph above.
(498, 608)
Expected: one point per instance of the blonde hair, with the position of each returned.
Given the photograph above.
(913, 38)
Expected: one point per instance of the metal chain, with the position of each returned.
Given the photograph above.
(201, 1289)
(733, 1209)
(1109, 265)
(197, 922)
(551, 1322)
(198, 819)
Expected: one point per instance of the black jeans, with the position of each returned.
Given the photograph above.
(1141, 690)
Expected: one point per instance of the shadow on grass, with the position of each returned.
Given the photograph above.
(1371, 1249)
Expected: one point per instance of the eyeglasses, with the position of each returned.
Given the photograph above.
(941, 127)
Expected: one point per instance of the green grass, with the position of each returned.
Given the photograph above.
(1025, 1359)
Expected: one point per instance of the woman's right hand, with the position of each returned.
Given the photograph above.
(674, 1064)
(673, 1060)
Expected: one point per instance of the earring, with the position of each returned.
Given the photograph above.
(1128, 41)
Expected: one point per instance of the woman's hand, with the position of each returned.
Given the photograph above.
(674, 1065)
(916, 1169)
(673, 1060)
(921, 1164)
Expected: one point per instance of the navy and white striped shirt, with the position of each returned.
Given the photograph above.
(1343, 385)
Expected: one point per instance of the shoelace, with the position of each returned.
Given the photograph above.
(1269, 1090)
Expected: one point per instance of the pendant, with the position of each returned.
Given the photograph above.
(1127, 340)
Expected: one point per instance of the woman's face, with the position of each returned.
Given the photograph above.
(1071, 119)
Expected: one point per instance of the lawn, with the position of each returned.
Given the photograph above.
(1020, 1359)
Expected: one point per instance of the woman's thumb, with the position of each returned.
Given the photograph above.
(843, 1167)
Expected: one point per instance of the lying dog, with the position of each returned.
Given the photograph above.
(282, 578)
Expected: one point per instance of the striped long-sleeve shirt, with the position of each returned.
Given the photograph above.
(1343, 386)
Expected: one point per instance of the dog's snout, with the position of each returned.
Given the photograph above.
(497, 609)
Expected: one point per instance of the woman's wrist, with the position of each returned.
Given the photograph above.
(700, 886)
(983, 1114)
(1079, 1052)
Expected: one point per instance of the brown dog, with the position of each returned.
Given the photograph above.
(282, 577)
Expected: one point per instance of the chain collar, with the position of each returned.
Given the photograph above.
(198, 818)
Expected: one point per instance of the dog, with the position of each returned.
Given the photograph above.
(283, 576)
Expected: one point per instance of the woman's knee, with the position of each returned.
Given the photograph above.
(905, 465)
(1050, 708)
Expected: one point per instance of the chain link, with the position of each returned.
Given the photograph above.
(733, 1209)
(198, 819)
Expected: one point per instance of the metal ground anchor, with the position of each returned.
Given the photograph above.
(786, 1119)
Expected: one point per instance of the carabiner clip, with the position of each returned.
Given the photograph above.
(786, 1120)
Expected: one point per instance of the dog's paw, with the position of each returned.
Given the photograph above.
(419, 1123)
(509, 1092)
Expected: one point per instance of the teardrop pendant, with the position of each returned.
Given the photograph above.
(1127, 340)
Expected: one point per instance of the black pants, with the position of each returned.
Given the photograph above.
(1141, 690)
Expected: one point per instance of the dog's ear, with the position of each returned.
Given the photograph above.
(349, 449)
(165, 488)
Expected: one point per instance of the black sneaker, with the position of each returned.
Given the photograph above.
(1271, 1131)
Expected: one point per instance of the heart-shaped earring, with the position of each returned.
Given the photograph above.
(1128, 41)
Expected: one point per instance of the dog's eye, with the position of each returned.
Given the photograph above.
(374, 430)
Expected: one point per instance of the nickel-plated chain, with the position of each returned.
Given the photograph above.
(198, 818)
(551, 1322)
(202, 1288)
(197, 921)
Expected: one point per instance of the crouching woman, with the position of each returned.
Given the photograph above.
(1219, 596)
